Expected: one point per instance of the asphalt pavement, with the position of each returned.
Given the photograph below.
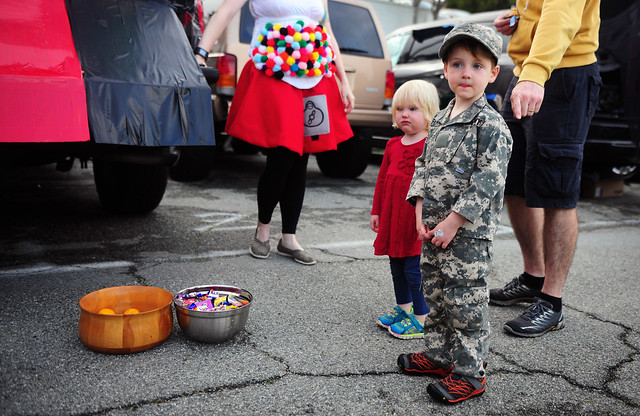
(311, 345)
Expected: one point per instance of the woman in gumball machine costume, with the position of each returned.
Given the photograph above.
(288, 102)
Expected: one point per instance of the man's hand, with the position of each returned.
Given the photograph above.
(506, 24)
(526, 99)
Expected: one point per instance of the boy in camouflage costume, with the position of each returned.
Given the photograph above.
(458, 189)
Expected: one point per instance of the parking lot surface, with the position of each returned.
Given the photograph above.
(310, 345)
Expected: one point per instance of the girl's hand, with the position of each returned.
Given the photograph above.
(374, 222)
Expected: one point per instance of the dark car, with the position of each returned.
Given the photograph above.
(414, 55)
(613, 142)
(612, 146)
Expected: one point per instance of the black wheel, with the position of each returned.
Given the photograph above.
(126, 188)
(350, 160)
(605, 171)
(243, 148)
(194, 164)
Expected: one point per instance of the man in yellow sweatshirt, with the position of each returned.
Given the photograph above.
(548, 108)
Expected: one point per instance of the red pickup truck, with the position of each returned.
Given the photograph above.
(113, 82)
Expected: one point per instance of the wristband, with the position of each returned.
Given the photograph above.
(199, 51)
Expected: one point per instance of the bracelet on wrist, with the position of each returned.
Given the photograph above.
(202, 52)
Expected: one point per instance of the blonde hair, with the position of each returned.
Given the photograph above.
(417, 93)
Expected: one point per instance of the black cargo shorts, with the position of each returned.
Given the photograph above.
(546, 160)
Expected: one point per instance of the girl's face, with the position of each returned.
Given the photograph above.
(469, 75)
(410, 119)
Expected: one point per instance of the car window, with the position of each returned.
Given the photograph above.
(396, 44)
(354, 39)
(354, 30)
(418, 44)
(424, 44)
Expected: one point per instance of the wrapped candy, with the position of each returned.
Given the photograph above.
(210, 301)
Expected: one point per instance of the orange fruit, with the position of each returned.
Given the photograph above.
(131, 311)
(106, 311)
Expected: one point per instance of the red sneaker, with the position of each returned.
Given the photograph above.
(455, 388)
(419, 364)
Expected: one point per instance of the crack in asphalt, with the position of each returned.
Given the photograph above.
(605, 390)
(611, 372)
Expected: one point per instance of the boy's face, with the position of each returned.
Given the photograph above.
(468, 75)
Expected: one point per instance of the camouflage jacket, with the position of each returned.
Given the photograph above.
(463, 168)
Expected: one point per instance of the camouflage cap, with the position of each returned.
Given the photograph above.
(483, 34)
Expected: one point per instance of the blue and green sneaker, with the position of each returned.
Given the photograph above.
(390, 318)
(408, 328)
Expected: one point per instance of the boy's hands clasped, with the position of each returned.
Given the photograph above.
(442, 234)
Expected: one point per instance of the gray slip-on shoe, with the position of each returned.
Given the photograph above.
(300, 256)
(259, 249)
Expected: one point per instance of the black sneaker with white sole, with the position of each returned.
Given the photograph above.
(536, 320)
(514, 292)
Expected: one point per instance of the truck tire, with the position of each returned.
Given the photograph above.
(350, 159)
(243, 148)
(126, 188)
(194, 164)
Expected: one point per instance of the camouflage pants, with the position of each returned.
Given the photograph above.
(454, 284)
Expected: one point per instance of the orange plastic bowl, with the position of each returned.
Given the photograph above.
(120, 333)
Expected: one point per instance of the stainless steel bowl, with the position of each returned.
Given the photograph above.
(213, 327)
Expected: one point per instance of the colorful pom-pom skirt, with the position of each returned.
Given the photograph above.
(269, 113)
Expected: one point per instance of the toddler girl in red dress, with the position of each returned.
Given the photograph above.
(393, 218)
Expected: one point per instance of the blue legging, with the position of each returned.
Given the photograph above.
(407, 282)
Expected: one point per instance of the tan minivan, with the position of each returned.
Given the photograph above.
(367, 63)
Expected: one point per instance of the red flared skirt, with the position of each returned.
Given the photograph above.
(269, 113)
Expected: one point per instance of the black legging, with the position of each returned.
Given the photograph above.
(283, 180)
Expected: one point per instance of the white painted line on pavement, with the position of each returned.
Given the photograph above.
(502, 230)
(599, 224)
(344, 244)
(203, 256)
(214, 228)
(54, 268)
(214, 219)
